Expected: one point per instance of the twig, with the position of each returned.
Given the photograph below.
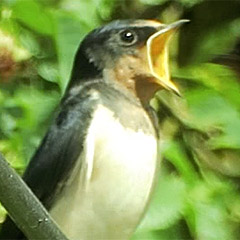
(24, 207)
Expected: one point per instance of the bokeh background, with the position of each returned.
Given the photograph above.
(198, 195)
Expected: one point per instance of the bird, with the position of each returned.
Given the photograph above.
(97, 165)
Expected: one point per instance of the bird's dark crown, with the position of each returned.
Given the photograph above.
(102, 47)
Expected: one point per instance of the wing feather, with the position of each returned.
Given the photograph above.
(57, 155)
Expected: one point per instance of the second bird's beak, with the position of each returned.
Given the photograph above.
(157, 54)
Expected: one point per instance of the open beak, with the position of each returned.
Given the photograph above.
(157, 54)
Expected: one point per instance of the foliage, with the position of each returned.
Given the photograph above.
(198, 192)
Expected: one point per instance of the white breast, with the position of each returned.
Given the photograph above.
(107, 197)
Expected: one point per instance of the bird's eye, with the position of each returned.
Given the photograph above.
(128, 37)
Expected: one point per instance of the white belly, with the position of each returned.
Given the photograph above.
(107, 197)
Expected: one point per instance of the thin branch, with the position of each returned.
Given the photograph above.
(24, 207)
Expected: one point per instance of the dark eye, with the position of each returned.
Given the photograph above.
(128, 37)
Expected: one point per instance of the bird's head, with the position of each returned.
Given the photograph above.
(132, 52)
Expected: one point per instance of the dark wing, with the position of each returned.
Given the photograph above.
(56, 156)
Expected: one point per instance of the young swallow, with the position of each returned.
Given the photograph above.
(95, 168)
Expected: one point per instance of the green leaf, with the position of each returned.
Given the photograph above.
(29, 41)
(214, 105)
(217, 77)
(190, 3)
(213, 30)
(210, 111)
(85, 11)
(175, 232)
(33, 15)
(211, 222)
(208, 108)
(153, 2)
(105, 8)
(174, 153)
(2, 213)
(69, 32)
(37, 107)
(206, 211)
(49, 72)
(230, 138)
(143, 236)
(7, 123)
(166, 206)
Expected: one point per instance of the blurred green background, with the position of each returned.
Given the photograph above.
(198, 195)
